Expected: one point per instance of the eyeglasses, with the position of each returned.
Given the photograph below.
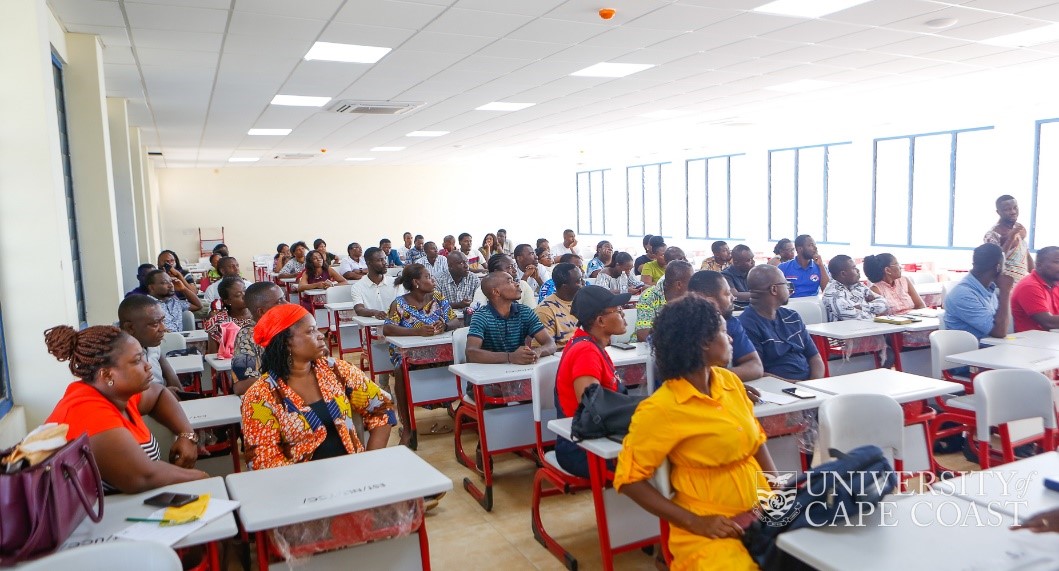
(609, 311)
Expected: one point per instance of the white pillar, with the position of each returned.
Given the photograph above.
(137, 156)
(124, 193)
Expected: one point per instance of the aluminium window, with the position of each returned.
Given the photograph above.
(652, 202)
(1045, 198)
(809, 191)
(708, 197)
(592, 202)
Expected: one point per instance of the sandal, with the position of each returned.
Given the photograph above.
(432, 501)
(438, 428)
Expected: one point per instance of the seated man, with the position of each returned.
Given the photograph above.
(678, 274)
(141, 316)
(372, 297)
(569, 245)
(554, 311)
(527, 269)
(403, 251)
(778, 334)
(393, 258)
(141, 275)
(980, 303)
(1035, 298)
(174, 302)
(548, 287)
(448, 244)
(746, 363)
(436, 263)
(806, 270)
(353, 267)
(721, 259)
(416, 254)
(499, 329)
(652, 271)
(246, 360)
(457, 284)
(475, 263)
(735, 274)
(228, 267)
(845, 298)
(504, 263)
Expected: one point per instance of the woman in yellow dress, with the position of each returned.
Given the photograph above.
(702, 421)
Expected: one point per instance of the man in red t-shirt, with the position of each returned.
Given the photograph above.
(585, 362)
(1035, 299)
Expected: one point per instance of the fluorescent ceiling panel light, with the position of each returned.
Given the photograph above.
(807, 8)
(427, 133)
(665, 114)
(267, 132)
(1025, 38)
(348, 53)
(358, 159)
(300, 100)
(244, 159)
(612, 69)
(386, 149)
(801, 86)
(504, 106)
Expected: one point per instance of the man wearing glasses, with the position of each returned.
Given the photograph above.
(778, 334)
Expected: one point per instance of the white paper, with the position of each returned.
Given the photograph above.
(169, 535)
(778, 398)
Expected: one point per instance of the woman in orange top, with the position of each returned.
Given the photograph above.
(702, 421)
(107, 403)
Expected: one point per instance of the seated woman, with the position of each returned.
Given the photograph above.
(296, 265)
(301, 408)
(901, 296)
(585, 362)
(114, 390)
(702, 420)
(617, 275)
(233, 309)
(168, 260)
(489, 247)
(317, 275)
(604, 253)
(784, 251)
(281, 258)
(423, 311)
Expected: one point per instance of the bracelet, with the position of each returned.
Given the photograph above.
(194, 438)
(508, 355)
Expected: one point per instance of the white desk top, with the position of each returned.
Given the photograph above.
(195, 336)
(314, 292)
(218, 364)
(340, 306)
(212, 411)
(923, 532)
(288, 280)
(1015, 489)
(280, 496)
(1009, 357)
(602, 447)
(1035, 339)
(185, 364)
(624, 357)
(118, 507)
(903, 387)
(932, 288)
(852, 329)
(414, 341)
(366, 321)
(485, 374)
(924, 324)
(774, 385)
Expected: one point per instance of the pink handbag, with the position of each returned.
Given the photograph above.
(43, 504)
(226, 348)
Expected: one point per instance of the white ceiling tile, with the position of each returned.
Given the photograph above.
(585, 54)
(813, 31)
(941, 71)
(726, 4)
(680, 17)
(902, 65)
(858, 60)
(754, 47)
(1049, 13)
(752, 24)
(123, 81)
(88, 12)
(587, 11)
(285, 115)
(921, 45)
(1007, 6)
(521, 49)
(413, 65)
(108, 35)
(214, 4)
(345, 33)
(314, 10)
(558, 31)
(388, 14)
(176, 18)
(488, 67)
(266, 48)
(1012, 57)
(696, 41)
(870, 39)
(535, 8)
(963, 16)
(457, 21)
(170, 40)
(322, 77)
(119, 54)
(809, 54)
(631, 38)
(275, 27)
(540, 72)
(965, 52)
(650, 56)
(993, 28)
(672, 72)
(852, 76)
(447, 43)
(177, 59)
(757, 67)
(882, 12)
(378, 88)
(563, 87)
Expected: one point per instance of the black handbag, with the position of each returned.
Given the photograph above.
(603, 414)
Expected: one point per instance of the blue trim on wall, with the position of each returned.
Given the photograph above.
(1036, 178)
(797, 190)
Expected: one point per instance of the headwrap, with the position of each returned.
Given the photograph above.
(276, 320)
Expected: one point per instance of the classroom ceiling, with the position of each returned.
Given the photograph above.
(199, 74)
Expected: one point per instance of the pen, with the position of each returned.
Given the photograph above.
(147, 520)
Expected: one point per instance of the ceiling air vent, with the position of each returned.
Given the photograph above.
(295, 156)
(371, 107)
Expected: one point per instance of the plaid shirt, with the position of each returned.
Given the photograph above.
(457, 292)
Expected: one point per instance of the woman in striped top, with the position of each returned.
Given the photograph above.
(108, 402)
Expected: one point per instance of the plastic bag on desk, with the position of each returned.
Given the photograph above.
(296, 543)
(503, 393)
(429, 354)
(633, 375)
(801, 424)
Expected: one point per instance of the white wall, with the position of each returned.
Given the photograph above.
(260, 207)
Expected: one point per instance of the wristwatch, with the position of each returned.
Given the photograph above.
(194, 438)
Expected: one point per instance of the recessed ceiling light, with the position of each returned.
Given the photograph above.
(386, 149)
(940, 23)
(665, 114)
(1041, 35)
(360, 158)
(427, 133)
(348, 53)
(504, 106)
(612, 69)
(300, 100)
(267, 132)
(801, 86)
(244, 159)
(807, 8)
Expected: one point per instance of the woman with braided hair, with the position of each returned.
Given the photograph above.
(108, 402)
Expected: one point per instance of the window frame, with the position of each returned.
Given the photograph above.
(797, 167)
(1036, 178)
(953, 153)
(706, 189)
(643, 197)
(603, 197)
(59, 81)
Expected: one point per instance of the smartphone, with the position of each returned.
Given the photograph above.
(170, 500)
(799, 393)
(625, 346)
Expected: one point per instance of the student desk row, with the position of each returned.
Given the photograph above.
(215, 412)
(856, 329)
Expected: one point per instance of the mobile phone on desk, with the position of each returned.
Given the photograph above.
(1052, 484)
(799, 393)
(625, 346)
(170, 500)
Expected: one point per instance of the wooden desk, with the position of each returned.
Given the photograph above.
(279, 496)
(425, 386)
(853, 329)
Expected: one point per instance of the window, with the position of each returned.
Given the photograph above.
(5, 378)
(808, 188)
(71, 217)
(1045, 200)
(647, 188)
(928, 189)
(708, 197)
(591, 202)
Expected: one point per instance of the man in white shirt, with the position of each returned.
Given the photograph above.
(527, 269)
(228, 266)
(404, 251)
(353, 267)
(372, 297)
(569, 245)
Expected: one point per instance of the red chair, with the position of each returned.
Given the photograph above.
(1003, 396)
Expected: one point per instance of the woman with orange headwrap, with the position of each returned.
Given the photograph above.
(301, 408)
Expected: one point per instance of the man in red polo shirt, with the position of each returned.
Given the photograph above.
(1035, 299)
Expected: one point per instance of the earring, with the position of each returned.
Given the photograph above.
(290, 361)
(110, 383)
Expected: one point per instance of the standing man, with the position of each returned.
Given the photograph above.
(806, 270)
(980, 303)
(246, 359)
(1035, 300)
(555, 311)
(457, 284)
(503, 243)
(721, 259)
(164, 289)
(778, 334)
(736, 274)
(1011, 237)
(746, 363)
(353, 267)
(569, 245)
(527, 268)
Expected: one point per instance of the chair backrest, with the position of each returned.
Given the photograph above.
(630, 327)
(188, 321)
(339, 294)
(543, 381)
(459, 345)
(849, 421)
(1006, 395)
(147, 555)
(922, 277)
(661, 480)
(810, 309)
(945, 343)
(173, 341)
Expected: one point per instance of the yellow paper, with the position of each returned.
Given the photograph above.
(188, 513)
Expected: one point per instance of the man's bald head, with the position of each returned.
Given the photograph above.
(673, 254)
(493, 281)
(763, 277)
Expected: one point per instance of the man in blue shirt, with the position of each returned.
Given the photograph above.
(745, 361)
(981, 302)
(806, 270)
(785, 347)
(392, 257)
